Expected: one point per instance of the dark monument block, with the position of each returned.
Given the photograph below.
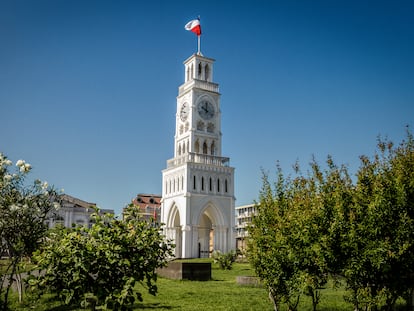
(195, 271)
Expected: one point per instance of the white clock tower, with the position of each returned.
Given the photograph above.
(198, 183)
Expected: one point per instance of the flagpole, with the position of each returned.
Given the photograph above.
(199, 51)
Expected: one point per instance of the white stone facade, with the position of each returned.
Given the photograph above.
(73, 211)
(198, 183)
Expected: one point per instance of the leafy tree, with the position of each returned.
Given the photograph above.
(322, 223)
(100, 266)
(379, 266)
(23, 211)
(301, 213)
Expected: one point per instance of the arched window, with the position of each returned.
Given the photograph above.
(197, 146)
(183, 148)
(200, 68)
(202, 183)
(207, 72)
(179, 149)
(218, 185)
(210, 128)
(205, 148)
(200, 126)
(210, 184)
(213, 148)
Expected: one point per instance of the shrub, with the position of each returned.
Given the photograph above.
(225, 260)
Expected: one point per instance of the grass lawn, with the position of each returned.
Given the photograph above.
(221, 293)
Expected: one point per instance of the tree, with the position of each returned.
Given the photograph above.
(23, 211)
(99, 266)
(379, 265)
(322, 223)
(288, 246)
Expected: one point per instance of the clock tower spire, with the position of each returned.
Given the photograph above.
(198, 183)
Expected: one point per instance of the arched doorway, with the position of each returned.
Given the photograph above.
(174, 232)
(210, 231)
(205, 237)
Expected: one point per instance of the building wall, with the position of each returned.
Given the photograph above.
(73, 211)
(244, 216)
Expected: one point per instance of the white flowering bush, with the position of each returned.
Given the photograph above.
(24, 209)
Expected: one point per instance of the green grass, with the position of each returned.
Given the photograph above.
(221, 293)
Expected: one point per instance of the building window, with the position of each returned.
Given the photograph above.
(210, 127)
(207, 73)
(200, 126)
(197, 146)
(199, 70)
(218, 185)
(205, 148)
(194, 183)
(213, 148)
(202, 183)
(225, 186)
(210, 184)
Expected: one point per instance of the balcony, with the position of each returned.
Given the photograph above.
(200, 84)
(199, 158)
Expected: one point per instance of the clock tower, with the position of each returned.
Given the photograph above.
(198, 183)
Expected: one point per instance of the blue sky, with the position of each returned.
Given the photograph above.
(88, 88)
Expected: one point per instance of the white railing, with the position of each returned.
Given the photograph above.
(199, 158)
(209, 86)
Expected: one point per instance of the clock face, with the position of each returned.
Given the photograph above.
(206, 109)
(184, 110)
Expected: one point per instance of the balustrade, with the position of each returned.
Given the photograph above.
(199, 158)
(195, 83)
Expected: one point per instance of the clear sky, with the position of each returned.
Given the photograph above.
(88, 88)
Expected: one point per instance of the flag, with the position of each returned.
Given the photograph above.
(194, 26)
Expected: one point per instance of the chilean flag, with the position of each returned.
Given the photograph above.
(194, 26)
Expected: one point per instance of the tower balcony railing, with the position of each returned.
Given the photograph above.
(193, 157)
(195, 83)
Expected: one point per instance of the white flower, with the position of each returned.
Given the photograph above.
(25, 167)
(4, 161)
(20, 163)
(45, 185)
(7, 177)
(14, 207)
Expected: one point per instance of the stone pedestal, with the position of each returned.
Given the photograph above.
(195, 271)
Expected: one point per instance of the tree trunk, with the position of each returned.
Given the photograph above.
(273, 300)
